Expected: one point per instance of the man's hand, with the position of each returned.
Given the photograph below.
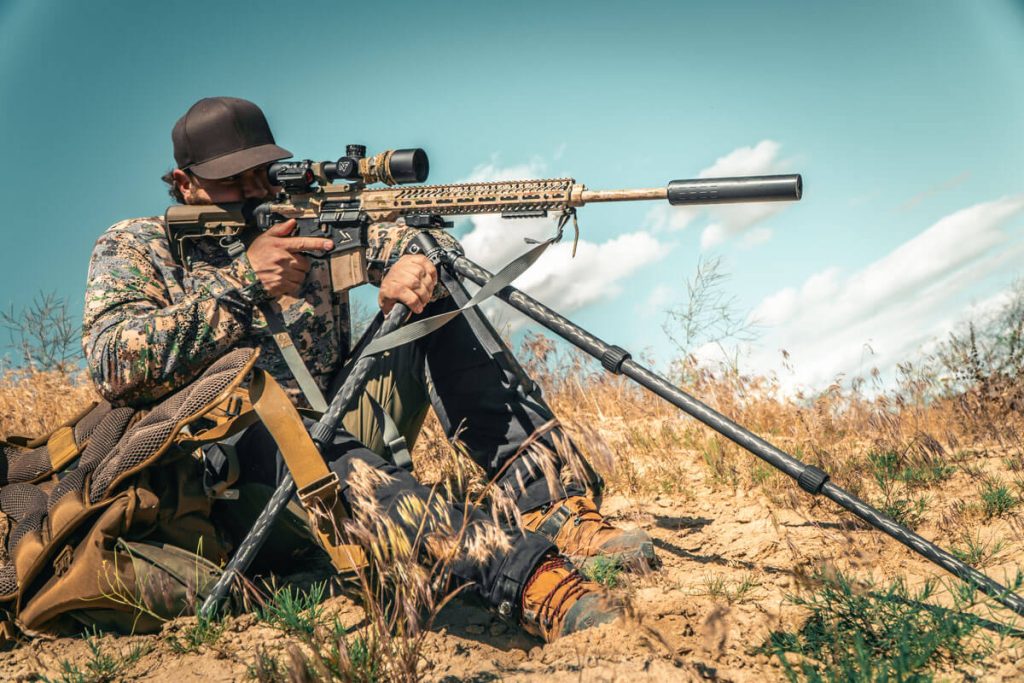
(411, 281)
(276, 259)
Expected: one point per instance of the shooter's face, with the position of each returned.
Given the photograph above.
(251, 184)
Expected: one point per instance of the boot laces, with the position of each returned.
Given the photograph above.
(569, 588)
(584, 513)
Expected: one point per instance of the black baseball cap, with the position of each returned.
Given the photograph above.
(219, 137)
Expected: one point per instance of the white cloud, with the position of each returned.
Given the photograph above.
(895, 304)
(557, 279)
(657, 302)
(756, 236)
(568, 284)
(663, 216)
(492, 170)
(729, 221)
(744, 161)
(733, 220)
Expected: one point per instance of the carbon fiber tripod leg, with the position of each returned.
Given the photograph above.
(497, 349)
(322, 433)
(810, 478)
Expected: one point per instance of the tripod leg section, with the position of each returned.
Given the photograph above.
(810, 478)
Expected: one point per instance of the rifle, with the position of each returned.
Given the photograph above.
(330, 199)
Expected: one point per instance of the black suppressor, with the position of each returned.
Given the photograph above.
(765, 188)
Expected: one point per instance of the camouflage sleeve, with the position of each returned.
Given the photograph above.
(386, 244)
(139, 342)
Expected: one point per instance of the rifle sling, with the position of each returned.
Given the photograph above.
(319, 490)
(422, 328)
(291, 356)
(285, 425)
(394, 442)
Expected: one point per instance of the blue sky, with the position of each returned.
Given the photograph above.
(905, 120)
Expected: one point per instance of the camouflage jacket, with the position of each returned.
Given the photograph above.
(150, 327)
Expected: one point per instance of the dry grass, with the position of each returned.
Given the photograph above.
(893, 448)
(912, 434)
(34, 402)
(946, 460)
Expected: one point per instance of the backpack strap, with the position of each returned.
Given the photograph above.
(318, 487)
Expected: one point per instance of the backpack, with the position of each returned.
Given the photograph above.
(108, 521)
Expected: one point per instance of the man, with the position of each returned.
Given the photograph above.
(152, 326)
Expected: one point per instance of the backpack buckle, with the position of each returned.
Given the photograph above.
(321, 494)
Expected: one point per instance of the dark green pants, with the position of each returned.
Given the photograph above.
(474, 395)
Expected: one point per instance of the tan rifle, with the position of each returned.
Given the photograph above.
(341, 211)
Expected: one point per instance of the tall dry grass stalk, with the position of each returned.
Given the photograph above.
(33, 402)
(409, 576)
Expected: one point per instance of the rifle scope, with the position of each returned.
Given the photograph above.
(391, 167)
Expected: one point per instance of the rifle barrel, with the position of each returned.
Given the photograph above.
(589, 196)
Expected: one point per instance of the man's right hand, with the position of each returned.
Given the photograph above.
(277, 262)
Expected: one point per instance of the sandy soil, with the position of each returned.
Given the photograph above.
(683, 628)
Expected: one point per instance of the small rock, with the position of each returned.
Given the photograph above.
(1009, 672)
(475, 629)
(747, 514)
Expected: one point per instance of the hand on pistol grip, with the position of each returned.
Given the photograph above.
(280, 261)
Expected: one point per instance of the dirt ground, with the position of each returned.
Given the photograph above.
(729, 559)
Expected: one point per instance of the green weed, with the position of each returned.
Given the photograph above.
(723, 470)
(907, 511)
(996, 498)
(896, 501)
(977, 553)
(891, 635)
(1015, 462)
(889, 466)
(294, 611)
(266, 668)
(101, 666)
(205, 631)
(716, 587)
(604, 571)
(355, 659)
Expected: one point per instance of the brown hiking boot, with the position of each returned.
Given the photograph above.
(557, 601)
(583, 534)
